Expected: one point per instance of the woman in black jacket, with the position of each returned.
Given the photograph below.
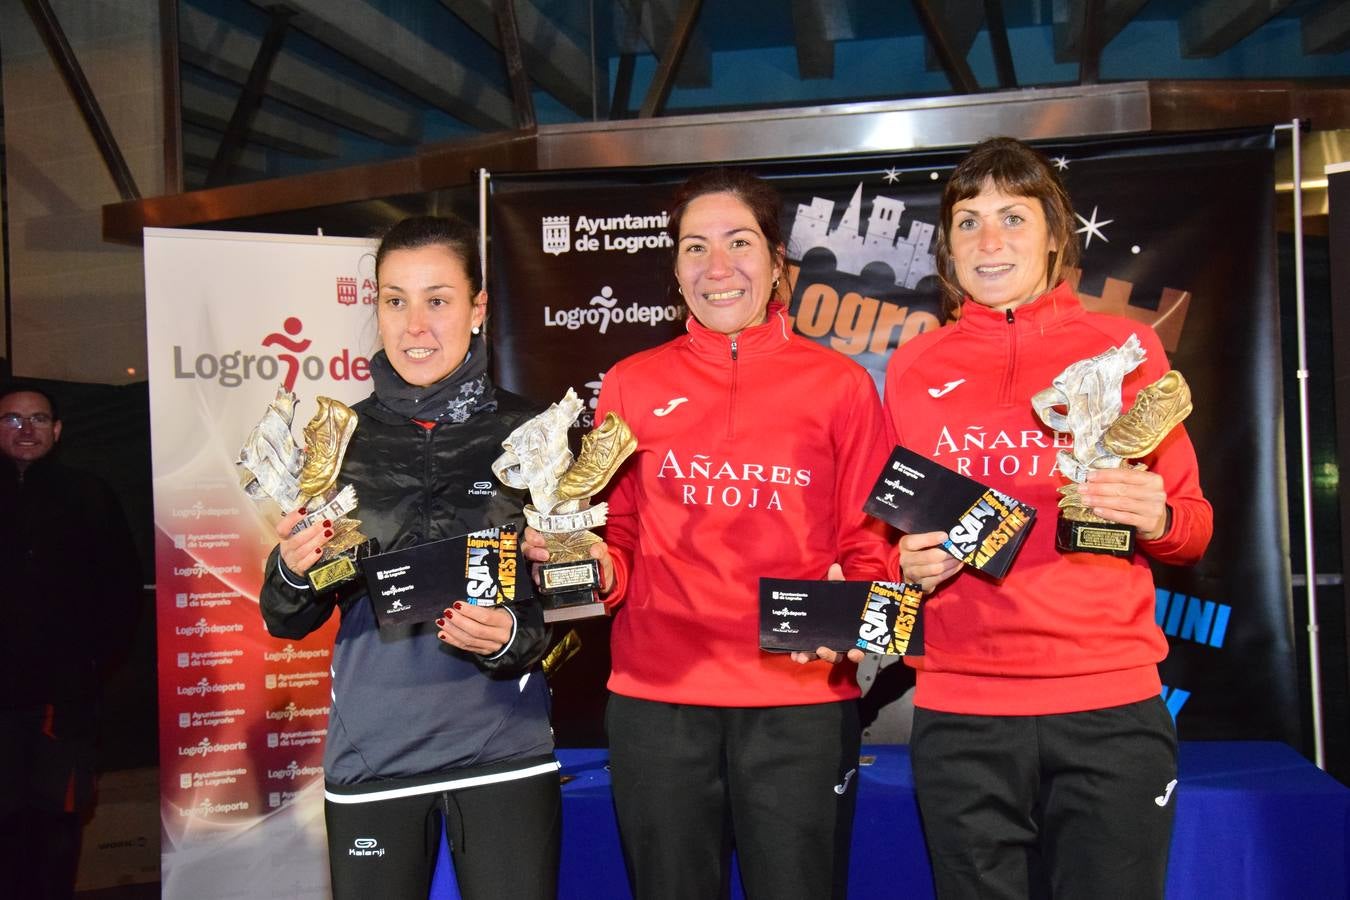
(429, 725)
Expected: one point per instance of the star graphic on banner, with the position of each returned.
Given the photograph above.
(1092, 227)
(892, 175)
(1061, 162)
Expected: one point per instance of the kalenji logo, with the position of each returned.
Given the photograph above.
(365, 847)
(234, 368)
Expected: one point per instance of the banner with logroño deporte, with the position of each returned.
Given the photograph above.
(582, 273)
(242, 715)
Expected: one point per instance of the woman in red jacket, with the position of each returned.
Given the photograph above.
(756, 449)
(1044, 757)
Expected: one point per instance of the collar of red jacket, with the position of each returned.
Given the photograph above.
(767, 337)
(1051, 308)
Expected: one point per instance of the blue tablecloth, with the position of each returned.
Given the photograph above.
(1254, 820)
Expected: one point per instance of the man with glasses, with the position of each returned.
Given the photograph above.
(29, 428)
(68, 601)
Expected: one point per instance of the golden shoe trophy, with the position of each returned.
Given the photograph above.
(1103, 438)
(537, 457)
(275, 468)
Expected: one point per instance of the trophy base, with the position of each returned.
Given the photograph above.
(585, 609)
(570, 590)
(569, 577)
(1110, 538)
(341, 568)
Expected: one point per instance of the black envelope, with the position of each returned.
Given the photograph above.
(416, 584)
(984, 527)
(877, 616)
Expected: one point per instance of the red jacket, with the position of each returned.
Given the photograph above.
(754, 459)
(1061, 632)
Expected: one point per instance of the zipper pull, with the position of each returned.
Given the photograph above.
(1009, 314)
(733, 350)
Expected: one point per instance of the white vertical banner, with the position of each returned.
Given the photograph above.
(242, 716)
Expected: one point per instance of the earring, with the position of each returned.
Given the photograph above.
(775, 284)
(476, 329)
(680, 291)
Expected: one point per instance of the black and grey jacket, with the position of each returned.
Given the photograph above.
(411, 714)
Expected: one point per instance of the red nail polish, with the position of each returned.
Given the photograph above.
(302, 510)
(327, 524)
(458, 604)
(328, 533)
(441, 638)
(318, 551)
(440, 623)
(449, 615)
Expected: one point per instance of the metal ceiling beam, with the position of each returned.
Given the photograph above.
(63, 55)
(628, 50)
(998, 44)
(878, 129)
(1112, 17)
(250, 98)
(664, 78)
(1090, 43)
(623, 86)
(228, 52)
(556, 63)
(952, 60)
(657, 21)
(442, 166)
(171, 103)
(1326, 29)
(962, 23)
(206, 107)
(360, 31)
(1212, 26)
(508, 38)
(817, 24)
(200, 149)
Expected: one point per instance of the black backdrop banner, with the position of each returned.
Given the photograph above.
(1177, 233)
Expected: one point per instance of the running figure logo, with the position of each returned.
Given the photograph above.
(292, 326)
